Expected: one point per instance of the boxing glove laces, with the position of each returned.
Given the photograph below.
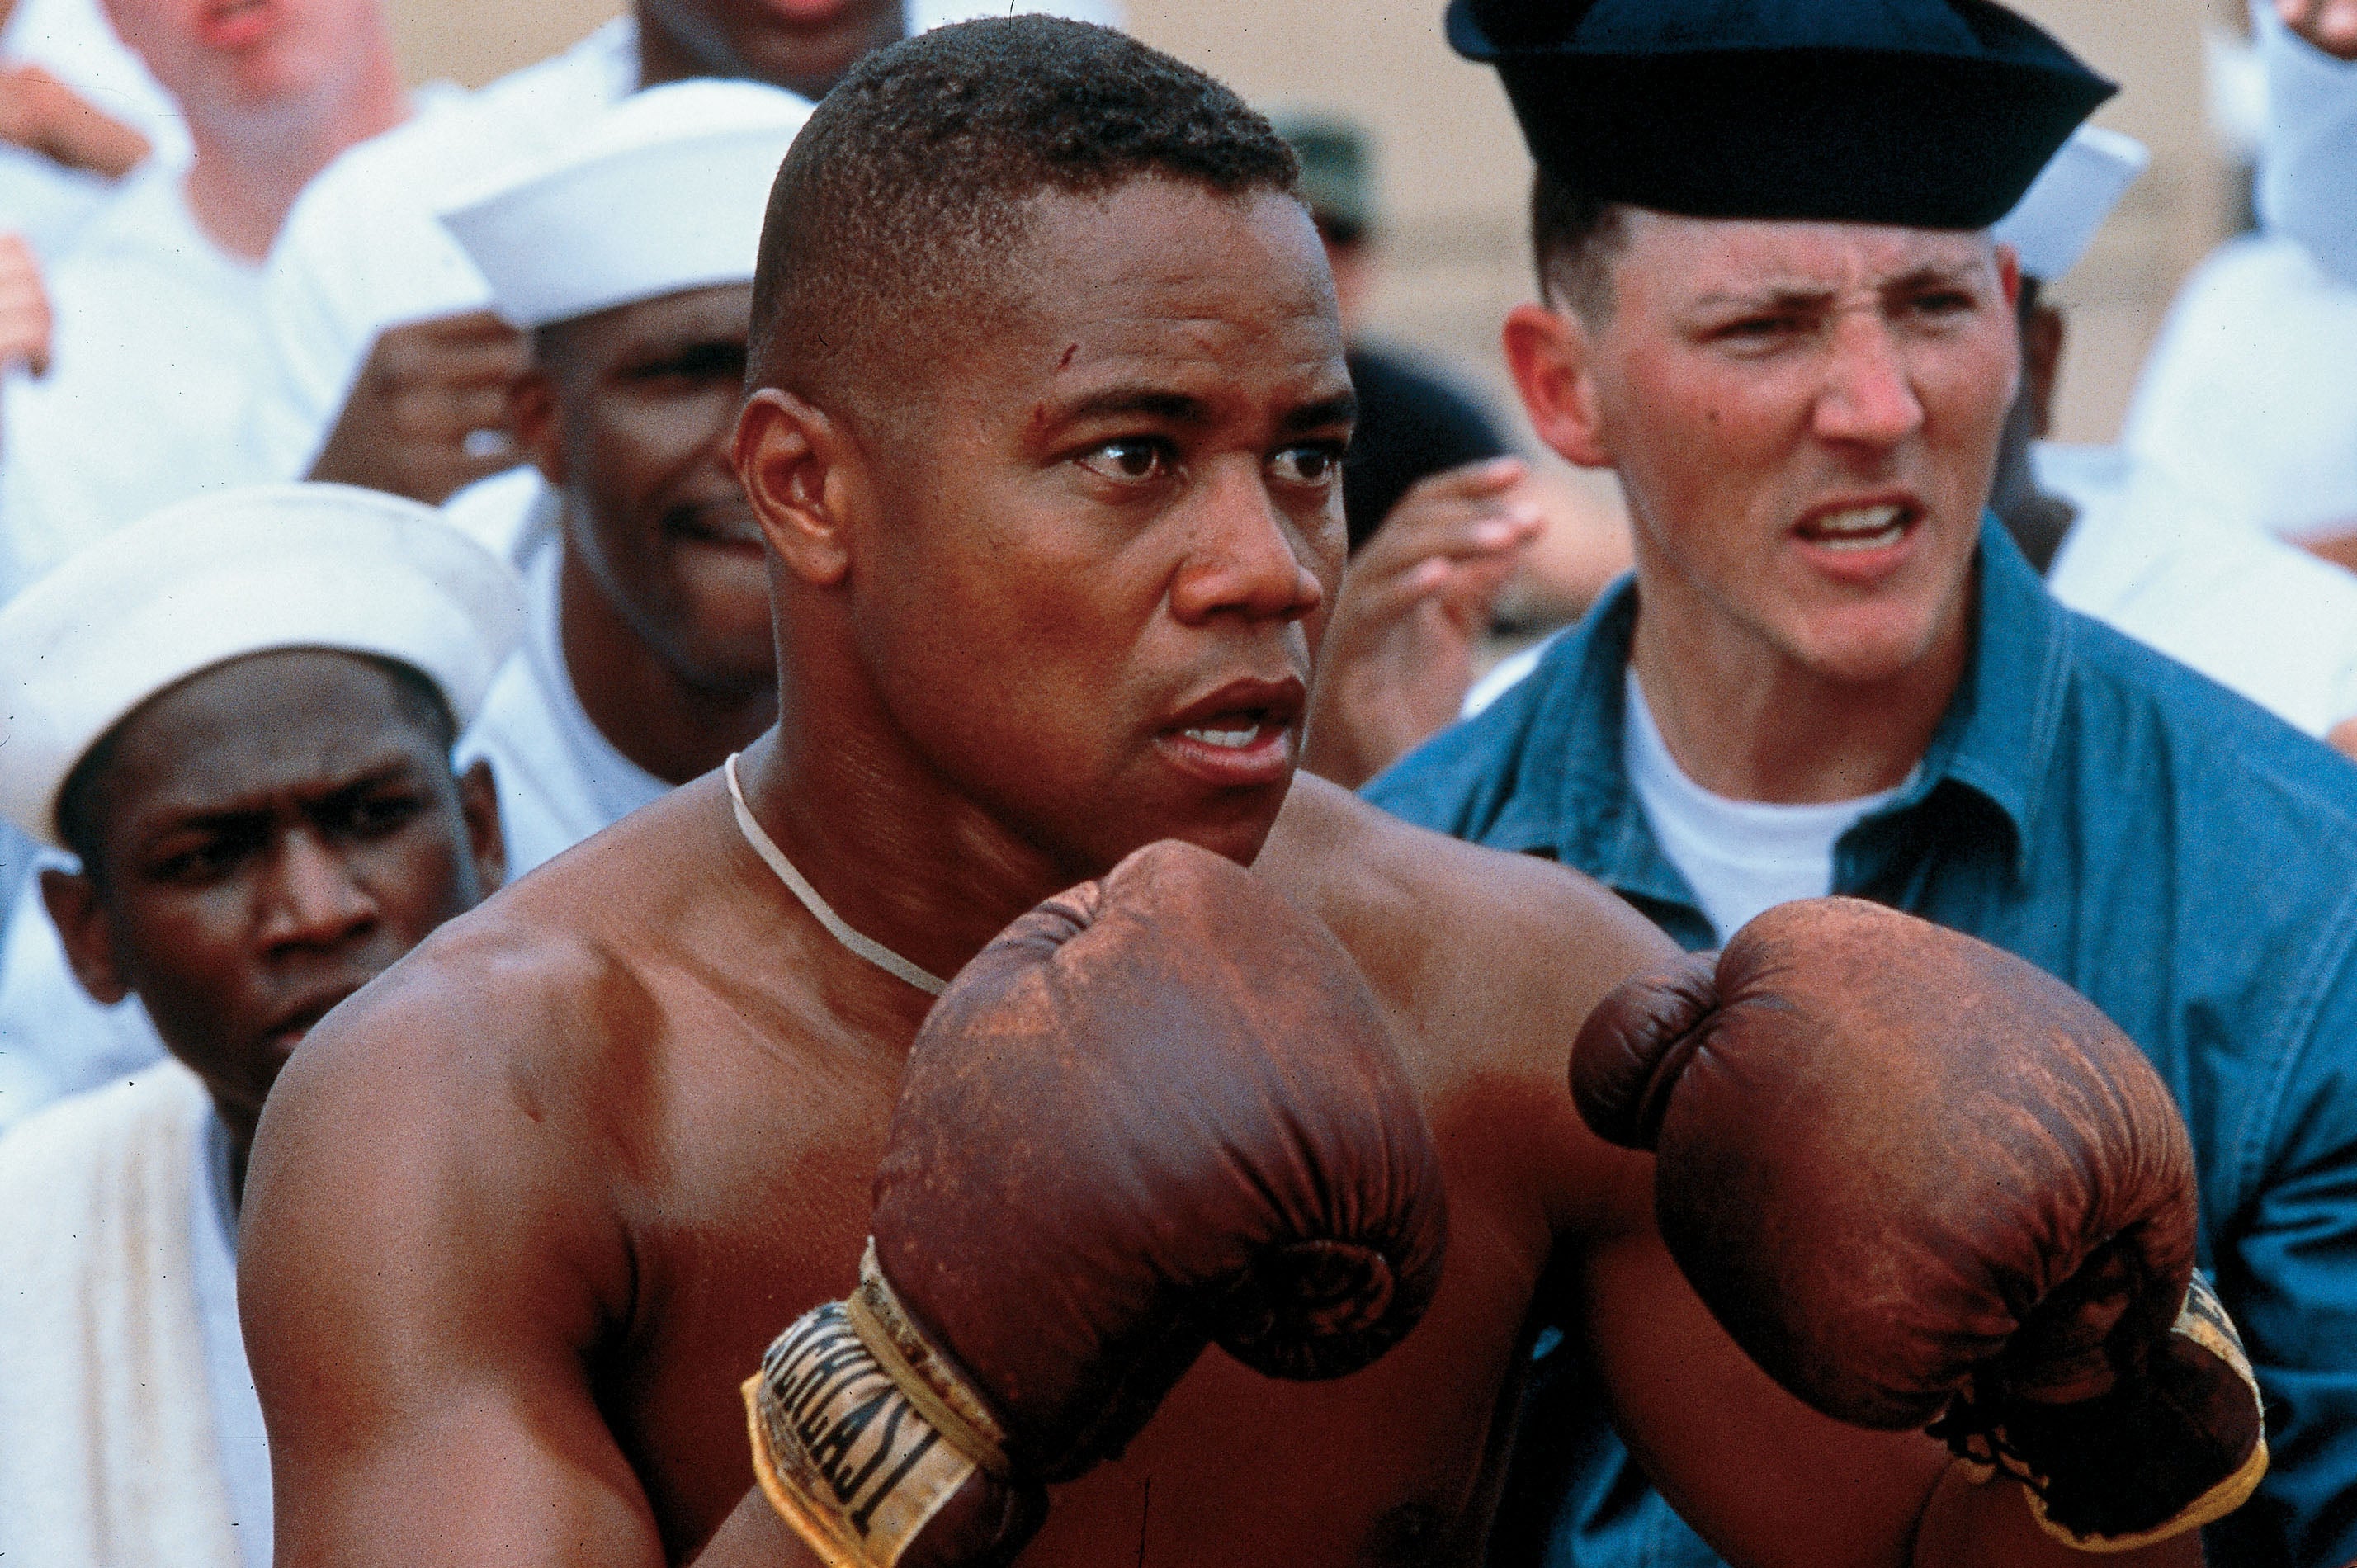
(1160, 1112)
(1923, 1184)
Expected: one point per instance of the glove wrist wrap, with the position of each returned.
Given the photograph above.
(862, 1432)
(1989, 1442)
(941, 1395)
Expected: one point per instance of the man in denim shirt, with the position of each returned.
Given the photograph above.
(1833, 672)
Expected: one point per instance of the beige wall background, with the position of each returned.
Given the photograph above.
(1453, 176)
(472, 41)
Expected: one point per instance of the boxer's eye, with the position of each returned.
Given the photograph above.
(1131, 460)
(1314, 464)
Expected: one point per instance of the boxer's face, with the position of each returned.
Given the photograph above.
(628, 413)
(802, 45)
(1805, 417)
(275, 833)
(1110, 522)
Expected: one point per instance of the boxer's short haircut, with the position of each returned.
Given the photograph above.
(1575, 239)
(83, 804)
(908, 188)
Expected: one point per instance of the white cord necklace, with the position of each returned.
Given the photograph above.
(873, 951)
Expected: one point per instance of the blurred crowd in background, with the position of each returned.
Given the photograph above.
(2202, 319)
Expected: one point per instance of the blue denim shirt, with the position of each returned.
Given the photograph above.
(2170, 850)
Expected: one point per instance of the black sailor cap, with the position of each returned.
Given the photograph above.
(1925, 113)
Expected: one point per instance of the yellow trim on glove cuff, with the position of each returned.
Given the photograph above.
(2203, 1320)
(2209, 1508)
(940, 1394)
(843, 1453)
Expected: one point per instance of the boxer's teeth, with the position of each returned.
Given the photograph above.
(1234, 739)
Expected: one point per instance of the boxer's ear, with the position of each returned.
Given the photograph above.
(796, 464)
(1552, 359)
(80, 915)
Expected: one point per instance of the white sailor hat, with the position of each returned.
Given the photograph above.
(230, 574)
(2056, 219)
(662, 193)
(2308, 156)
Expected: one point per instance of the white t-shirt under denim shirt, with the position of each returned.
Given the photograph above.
(1742, 857)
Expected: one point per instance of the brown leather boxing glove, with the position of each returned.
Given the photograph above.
(1922, 1183)
(1159, 1112)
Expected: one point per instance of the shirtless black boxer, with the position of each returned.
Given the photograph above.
(1046, 450)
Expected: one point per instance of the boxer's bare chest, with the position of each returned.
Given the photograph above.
(749, 1205)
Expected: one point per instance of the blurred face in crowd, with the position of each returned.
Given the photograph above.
(247, 55)
(801, 45)
(1349, 258)
(270, 835)
(1805, 417)
(1085, 557)
(628, 413)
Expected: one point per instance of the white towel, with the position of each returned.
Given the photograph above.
(108, 1452)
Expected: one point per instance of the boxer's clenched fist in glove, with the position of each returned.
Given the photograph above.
(1158, 1111)
(1922, 1183)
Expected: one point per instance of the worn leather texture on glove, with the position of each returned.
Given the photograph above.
(1898, 1163)
(1160, 1109)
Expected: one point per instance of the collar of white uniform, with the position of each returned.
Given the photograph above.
(873, 951)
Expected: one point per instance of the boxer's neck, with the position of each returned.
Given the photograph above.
(898, 853)
(857, 942)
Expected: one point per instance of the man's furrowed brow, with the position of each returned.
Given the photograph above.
(1154, 402)
(1342, 408)
(1772, 298)
(1935, 276)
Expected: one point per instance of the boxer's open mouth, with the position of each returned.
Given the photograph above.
(1240, 734)
(1859, 528)
(1240, 710)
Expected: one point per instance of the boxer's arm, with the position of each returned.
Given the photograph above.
(424, 1265)
(755, 1537)
(1763, 1477)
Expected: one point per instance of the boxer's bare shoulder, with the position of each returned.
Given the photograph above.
(574, 992)
(617, 1116)
(1449, 928)
(1490, 963)
(1410, 896)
